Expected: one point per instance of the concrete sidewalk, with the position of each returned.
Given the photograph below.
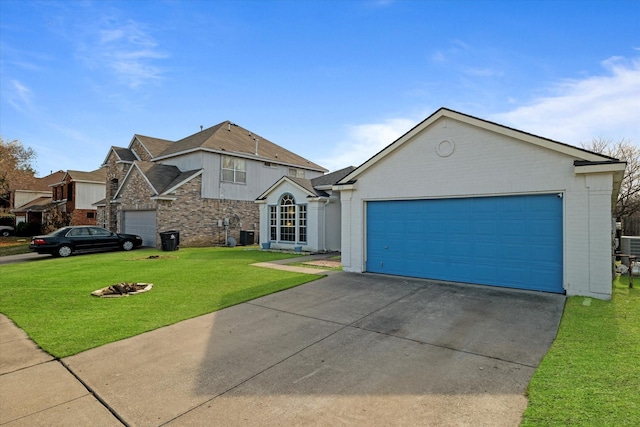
(350, 349)
(37, 390)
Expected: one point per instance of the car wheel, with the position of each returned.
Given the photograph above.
(5, 233)
(127, 245)
(64, 251)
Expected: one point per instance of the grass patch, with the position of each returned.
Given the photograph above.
(591, 374)
(14, 245)
(52, 300)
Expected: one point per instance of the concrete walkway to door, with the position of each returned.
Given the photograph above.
(350, 349)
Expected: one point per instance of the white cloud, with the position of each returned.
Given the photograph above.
(604, 106)
(20, 96)
(127, 49)
(364, 141)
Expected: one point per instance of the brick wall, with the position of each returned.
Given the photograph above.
(80, 217)
(194, 217)
(197, 218)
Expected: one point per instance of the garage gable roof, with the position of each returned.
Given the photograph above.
(577, 153)
(162, 179)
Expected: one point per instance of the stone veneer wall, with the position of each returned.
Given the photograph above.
(140, 151)
(136, 195)
(197, 219)
(194, 217)
(115, 174)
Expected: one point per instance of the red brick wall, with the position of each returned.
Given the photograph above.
(79, 217)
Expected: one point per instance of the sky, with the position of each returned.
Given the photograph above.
(333, 81)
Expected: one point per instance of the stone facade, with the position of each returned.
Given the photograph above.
(198, 220)
(115, 174)
(201, 222)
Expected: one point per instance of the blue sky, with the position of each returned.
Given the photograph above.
(334, 81)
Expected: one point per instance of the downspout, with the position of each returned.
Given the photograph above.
(324, 225)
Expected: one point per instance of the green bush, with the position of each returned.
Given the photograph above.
(7, 219)
(28, 229)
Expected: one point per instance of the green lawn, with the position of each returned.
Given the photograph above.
(51, 299)
(13, 245)
(591, 374)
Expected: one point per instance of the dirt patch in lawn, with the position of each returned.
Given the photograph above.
(327, 263)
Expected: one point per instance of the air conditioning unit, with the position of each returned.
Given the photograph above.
(630, 245)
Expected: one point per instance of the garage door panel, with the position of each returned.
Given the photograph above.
(513, 241)
(142, 223)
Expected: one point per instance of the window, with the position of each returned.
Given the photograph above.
(298, 173)
(91, 215)
(288, 218)
(70, 191)
(288, 221)
(273, 223)
(302, 223)
(234, 170)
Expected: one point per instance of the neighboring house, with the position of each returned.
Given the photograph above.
(462, 199)
(76, 193)
(305, 213)
(29, 204)
(204, 185)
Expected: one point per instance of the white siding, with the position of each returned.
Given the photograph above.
(259, 178)
(314, 218)
(482, 164)
(88, 193)
(22, 197)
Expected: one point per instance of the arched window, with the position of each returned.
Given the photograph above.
(287, 220)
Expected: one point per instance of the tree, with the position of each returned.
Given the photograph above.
(16, 170)
(628, 202)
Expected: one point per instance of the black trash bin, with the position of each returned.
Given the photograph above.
(170, 240)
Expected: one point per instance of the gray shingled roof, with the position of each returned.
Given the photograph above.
(124, 154)
(332, 178)
(163, 177)
(99, 175)
(232, 138)
(37, 205)
(307, 185)
(155, 146)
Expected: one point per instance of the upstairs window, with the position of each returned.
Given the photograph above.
(298, 173)
(234, 170)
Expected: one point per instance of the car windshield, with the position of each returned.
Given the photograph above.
(59, 231)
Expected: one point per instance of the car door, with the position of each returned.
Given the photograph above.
(80, 238)
(104, 239)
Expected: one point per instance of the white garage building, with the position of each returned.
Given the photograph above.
(462, 199)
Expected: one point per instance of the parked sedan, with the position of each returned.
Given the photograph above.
(6, 230)
(68, 240)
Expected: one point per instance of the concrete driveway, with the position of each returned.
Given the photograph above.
(349, 349)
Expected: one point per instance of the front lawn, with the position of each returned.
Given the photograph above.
(591, 374)
(14, 245)
(51, 299)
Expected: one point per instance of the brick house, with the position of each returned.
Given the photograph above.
(76, 194)
(28, 204)
(203, 185)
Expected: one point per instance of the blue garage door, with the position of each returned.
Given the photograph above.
(510, 241)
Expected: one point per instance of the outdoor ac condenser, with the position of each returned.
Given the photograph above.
(630, 245)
